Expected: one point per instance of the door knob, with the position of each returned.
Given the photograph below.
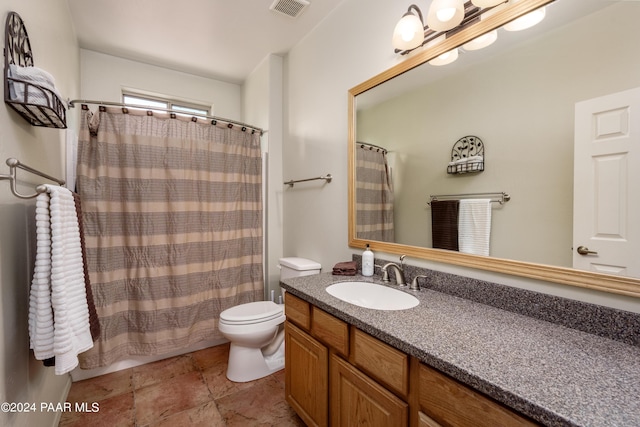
(583, 250)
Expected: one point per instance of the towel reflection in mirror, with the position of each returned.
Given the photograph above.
(462, 225)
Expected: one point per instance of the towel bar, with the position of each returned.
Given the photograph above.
(327, 178)
(16, 164)
(498, 197)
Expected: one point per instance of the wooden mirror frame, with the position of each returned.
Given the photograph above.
(563, 275)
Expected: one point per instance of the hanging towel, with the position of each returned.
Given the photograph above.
(58, 310)
(444, 224)
(94, 322)
(474, 226)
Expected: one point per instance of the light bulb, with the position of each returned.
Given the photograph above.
(445, 14)
(486, 3)
(409, 33)
(526, 21)
(481, 41)
(446, 58)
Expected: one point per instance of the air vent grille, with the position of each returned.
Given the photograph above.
(291, 8)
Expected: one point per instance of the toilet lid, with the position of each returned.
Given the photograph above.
(252, 312)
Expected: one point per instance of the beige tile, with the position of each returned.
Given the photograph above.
(216, 379)
(114, 411)
(212, 356)
(162, 370)
(102, 387)
(206, 415)
(161, 400)
(173, 392)
(263, 404)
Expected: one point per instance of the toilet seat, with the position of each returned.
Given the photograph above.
(251, 313)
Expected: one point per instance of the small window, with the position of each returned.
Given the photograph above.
(167, 104)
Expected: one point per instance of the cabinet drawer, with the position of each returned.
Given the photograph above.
(449, 402)
(381, 361)
(330, 330)
(297, 311)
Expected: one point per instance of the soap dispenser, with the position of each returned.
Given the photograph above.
(367, 262)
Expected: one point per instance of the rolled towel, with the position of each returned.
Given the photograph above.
(33, 76)
(347, 268)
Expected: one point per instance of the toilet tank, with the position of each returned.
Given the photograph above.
(298, 267)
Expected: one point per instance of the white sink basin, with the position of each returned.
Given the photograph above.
(370, 295)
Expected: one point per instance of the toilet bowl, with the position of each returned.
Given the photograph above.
(256, 331)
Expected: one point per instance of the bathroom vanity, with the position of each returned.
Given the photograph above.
(449, 361)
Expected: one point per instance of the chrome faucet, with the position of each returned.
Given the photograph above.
(398, 272)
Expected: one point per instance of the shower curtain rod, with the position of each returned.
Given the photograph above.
(167, 110)
(372, 146)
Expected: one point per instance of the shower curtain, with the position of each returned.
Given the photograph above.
(374, 195)
(172, 210)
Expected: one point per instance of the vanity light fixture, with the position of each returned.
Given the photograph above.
(409, 31)
(481, 41)
(489, 38)
(486, 3)
(445, 15)
(446, 58)
(526, 21)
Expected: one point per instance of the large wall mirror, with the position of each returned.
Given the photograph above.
(519, 96)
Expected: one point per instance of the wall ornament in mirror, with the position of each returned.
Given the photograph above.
(467, 156)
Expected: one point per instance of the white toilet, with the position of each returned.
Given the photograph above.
(255, 332)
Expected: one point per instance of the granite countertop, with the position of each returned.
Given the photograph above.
(555, 375)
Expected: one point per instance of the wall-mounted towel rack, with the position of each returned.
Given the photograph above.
(16, 164)
(27, 89)
(500, 197)
(326, 177)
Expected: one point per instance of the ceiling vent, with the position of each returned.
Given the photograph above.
(291, 8)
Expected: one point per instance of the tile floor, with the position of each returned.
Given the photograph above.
(187, 390)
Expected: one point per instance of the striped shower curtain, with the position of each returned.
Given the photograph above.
(374, 195)
(172, 211)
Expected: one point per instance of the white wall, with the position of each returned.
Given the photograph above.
(105, 76)
(262, 107)
(23, 379)
(348, 47)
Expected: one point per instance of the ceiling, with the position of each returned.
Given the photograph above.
(220, 39)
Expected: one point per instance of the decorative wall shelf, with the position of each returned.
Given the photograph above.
(467, 156)
(26, 91)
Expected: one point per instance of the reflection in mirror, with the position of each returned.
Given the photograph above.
(519, 96)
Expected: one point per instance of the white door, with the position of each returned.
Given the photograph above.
(606, 206)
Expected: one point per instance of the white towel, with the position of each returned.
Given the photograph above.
(474, 226)
(58, 310)
(33, 75)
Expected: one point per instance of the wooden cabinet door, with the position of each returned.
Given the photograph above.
(306, 376)
(357, 400)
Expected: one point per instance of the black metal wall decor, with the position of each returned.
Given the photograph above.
(467, 156)
(37, 103)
